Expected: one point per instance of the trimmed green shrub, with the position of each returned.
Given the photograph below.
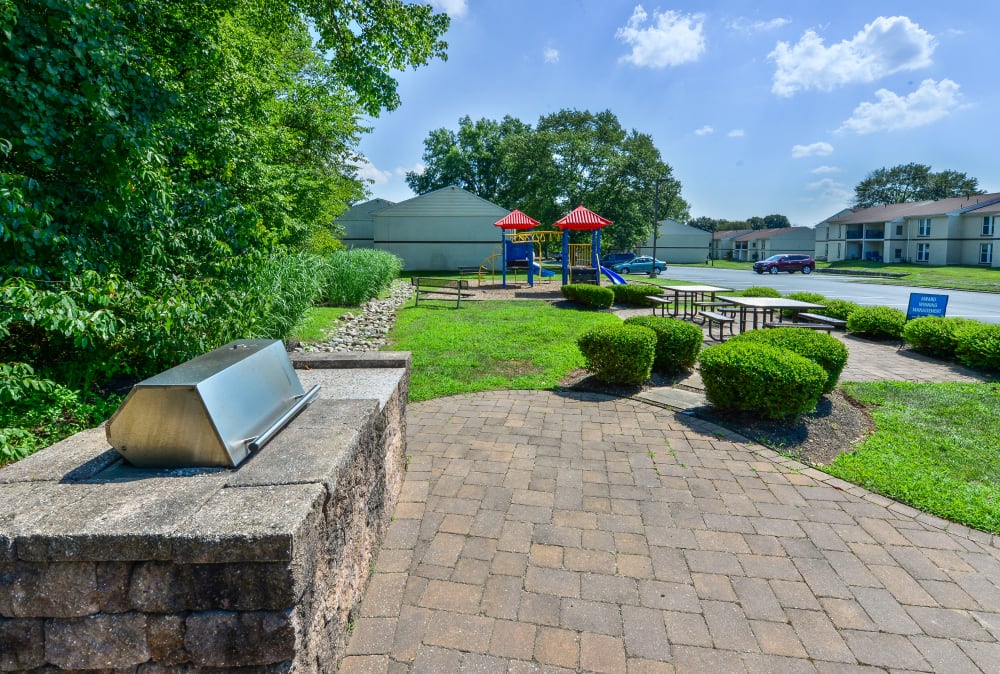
(826, 351)
(759, 291)
(935, 336)
(619, 354)
(759, 378)
(979, 346)
(677, 342)
(814, 298)
(352, 277)
(589, 295)
(877, 322)
(841, 309)
(635, 294)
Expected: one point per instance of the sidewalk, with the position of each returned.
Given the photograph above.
(557, 532)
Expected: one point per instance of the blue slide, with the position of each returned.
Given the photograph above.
(542, 271)
(615, 278)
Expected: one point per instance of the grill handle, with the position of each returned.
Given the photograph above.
(282, 421)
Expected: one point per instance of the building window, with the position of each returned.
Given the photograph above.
(898, 254)
(899, 229)
(988, 222)
(925, 227)
(986, 253)
(923, 252)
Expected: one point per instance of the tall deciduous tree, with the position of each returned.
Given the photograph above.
(912, 182)
(570, 158)
(157, 151)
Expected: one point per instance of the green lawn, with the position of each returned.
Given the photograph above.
(952, 277)
(936, 448)
(521, 344)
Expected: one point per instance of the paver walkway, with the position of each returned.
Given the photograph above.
(561, 532)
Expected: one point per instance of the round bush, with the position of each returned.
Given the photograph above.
(766, 380)
(841, 309)
(877, 322)
(677, 342)
(760, 291)
(589, 295)
(619, 354)
(826, 351)
(979, 346)
(935, 336)
(635, 294)
(814, 298)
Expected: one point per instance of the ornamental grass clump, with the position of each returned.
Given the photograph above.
(619, 354)
(761, 379)
(635, 294)
(352, 277)
(877, 322)
(979, 346)
(677, 342)
(589, 295)
(825, 350)
(935, 336)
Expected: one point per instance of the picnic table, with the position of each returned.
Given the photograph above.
(757, 310)
(686, 296)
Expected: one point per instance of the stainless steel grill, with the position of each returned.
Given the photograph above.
(213, 410)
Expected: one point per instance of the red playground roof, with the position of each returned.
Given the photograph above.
(516, 220)
(582, 218)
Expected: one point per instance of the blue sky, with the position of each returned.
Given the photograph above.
(759, 108)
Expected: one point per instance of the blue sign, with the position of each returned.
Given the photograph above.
(922, 304)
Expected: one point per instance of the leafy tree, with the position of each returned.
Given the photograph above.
(569, 158)
(470, 158)
(776, 221)
(911, 182)
(156, 156)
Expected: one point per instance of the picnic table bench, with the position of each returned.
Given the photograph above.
(715, 318)
(662, 302)
(427, 286)
(807, 326)
(820, 318)
(469, 270)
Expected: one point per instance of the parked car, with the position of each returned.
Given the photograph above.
(639, 264)
(612, 259)
(789, 263)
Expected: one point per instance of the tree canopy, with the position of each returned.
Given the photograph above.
(569, 158)
(774, 221)
(155, 155)
(912, 182)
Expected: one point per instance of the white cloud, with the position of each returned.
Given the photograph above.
(704, 131)
(736, 133)
(551, 55)
(454, 8)
(831, 189)
(886, 45)
(670, 40)
(820, 170)
(745, 25)
(930, 102)
(820, 149)
(368, 173)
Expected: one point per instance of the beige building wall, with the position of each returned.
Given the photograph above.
(678, 243)
(440, 230)
(358, 223)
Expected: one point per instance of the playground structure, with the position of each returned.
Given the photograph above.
(520, 243)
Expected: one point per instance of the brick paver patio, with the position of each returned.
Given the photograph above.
(566, 532)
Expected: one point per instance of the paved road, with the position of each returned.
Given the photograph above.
(980, 306)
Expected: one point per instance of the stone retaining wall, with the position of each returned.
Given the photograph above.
(106, 566)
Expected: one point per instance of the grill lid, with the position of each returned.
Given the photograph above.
(212, 410)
